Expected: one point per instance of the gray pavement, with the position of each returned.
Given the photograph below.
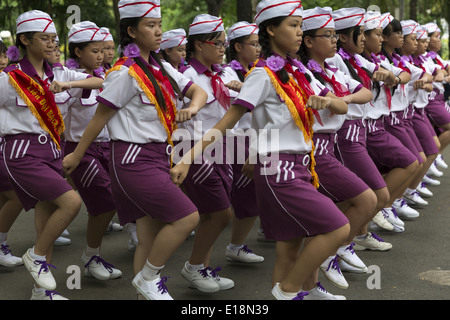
(416, 268)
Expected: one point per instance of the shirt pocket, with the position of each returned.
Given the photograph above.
(148, 110)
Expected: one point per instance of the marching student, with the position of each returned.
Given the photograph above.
(395, 123)
(109, 48)
(289, 205)
(243, 50)
(351, 144)
(138, 106)
(208, 184)
(31, 128)
(356, 200)
(173, 47)
(91, 177)
(397, 163)
(3, 55)
(418, 98)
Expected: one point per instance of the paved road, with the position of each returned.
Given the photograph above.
(415, 269)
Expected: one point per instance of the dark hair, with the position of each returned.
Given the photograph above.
(376, 84)
(125, 39)
(3, 47)
(73, 46)
(356, 31)
(20, 45)
(190, 47)
(303, 54)
(393, 26)
(231, 54)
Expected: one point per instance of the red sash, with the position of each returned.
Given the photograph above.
(40, 101)
(366, 81)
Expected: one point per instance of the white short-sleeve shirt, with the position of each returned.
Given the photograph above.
(136, 119)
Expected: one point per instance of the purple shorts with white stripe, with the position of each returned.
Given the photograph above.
(351, 150)
(34, 167)
(336, 181)
(91, 177)
(142, 186)
(438, 110)
(4, 178)
(424, 131)
(289, 205)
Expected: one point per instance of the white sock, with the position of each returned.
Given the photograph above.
(194, 267)
(90, 252)
(35, 256)
(409, 191)
(37, 290)
(234, 246)
(287, 294)
(150, 272)
(361, 237)
(3, 236)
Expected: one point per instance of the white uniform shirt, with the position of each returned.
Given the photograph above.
(136, 119)
(15, 116)
(271, 118)
(419, 98)
(355, 111)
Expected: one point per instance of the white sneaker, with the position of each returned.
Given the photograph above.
(62, 241)
(319, 293)
(133, 240)
(65, 233)
(440, 162)
(224, 283)
(152, 290)
(424, 191)
(430, 181)
(392, 217)
(434, 171)
(113, 273)
(97, 267)
(40, 271)
(380, 220)
(330, 268)
(113, 226)
(371, 242)
(244, 254)
(46, 295)
(347, 254)
(7, 259)
(345, 267)
(414, 199)
(279, 295)
(403, 210)
(200, 280)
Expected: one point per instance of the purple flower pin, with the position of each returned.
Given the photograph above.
(132, 51)
(13, 53)
(235, 65)
(275, 63)
(314, 65)
(72, 64)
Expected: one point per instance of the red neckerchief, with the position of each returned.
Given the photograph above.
(221, 92)
(365, 79)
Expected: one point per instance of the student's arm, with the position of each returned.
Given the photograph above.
(89, 83)
(93, 129)
(229, 120)
(362, 96)
(198, 98)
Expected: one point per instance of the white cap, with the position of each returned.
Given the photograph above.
(348, 17)
(385, 19)
(205, 23)
(1, 39)
(268, 9)
(409, 26)
(107, 36)
(35, 21)
(432, 27)
(422, 32)
(372, 20)
(173, 38)
(139, 9)
(242, 29)
(317, 18)
(84, 31)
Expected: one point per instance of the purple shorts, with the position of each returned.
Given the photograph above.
(34, 167)
(386, 150)
(4, 178)
(351, 150)
(208, 184)
(142, 186)
(243, 196)
(397, 126)
(337, 182)
(92, 179)
(438, 111)
(289, 205)
(425, 132)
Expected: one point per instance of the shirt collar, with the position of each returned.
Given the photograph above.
(201, 68)
(28, 68)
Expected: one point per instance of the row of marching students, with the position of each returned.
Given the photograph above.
(350, 97)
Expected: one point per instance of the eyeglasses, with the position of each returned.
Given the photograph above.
(46, 40)
(218, 45)
(327, 36)
(257, 46)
